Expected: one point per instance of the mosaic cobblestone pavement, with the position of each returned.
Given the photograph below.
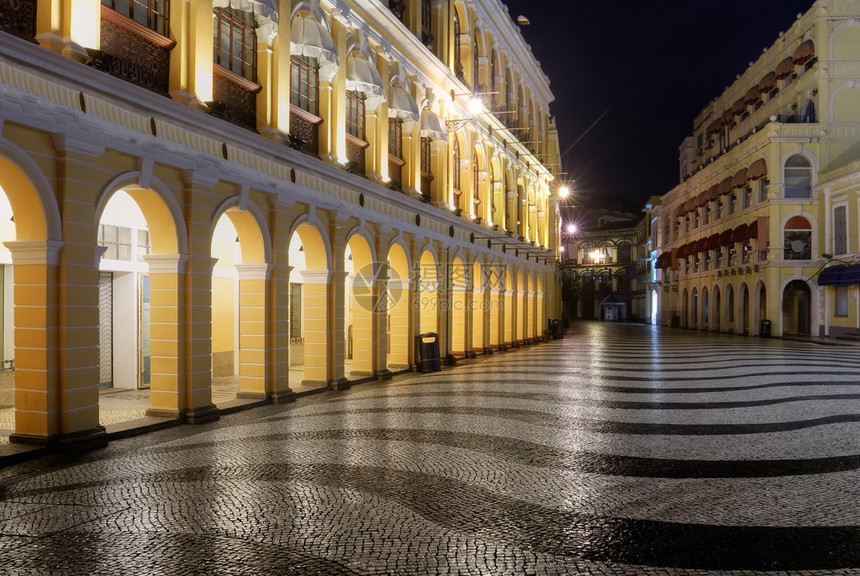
(621, 449)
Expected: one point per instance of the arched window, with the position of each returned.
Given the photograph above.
(455, 176)
(476, 63)
(458, 64)
(798, 177)
(493, 84)
(476, 197)
(808, 115)
(797, 239)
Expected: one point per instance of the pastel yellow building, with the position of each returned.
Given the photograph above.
(260, 189)
(761, 235)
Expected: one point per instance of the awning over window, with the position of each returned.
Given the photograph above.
(841, 275)
(712, 242)
(401, 104)
(362, 76)
(740, 233)
(716, 125)
(757, 169)
(713, 192)
(752, 95)
(752, 230)
(431, 126)
(266, 12)
(785, 68)
(726, 185)
(739, 180)
(767, 83)
(308, 37)
(726, 237)
(664, 260)
(804, 52)
(739, 107)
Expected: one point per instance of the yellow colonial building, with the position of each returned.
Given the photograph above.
(282, 192)
(768, 200)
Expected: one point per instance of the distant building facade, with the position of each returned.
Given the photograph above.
(195, 189)
(605, 273)
(762, 231)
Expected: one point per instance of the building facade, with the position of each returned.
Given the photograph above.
(605, 267)
(768, 198)
(213, 188)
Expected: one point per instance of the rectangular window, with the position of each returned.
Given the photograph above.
(762, 190)
(425, 156)
(733, 203)
(117, 240)
(355, 114)
(841, 303)
(296, 333)
(304, 83)
(747, 197)
(718, 210)
(426, 22)
(395, 137)
(235, 42)
(840, 230)
(706, 214)
(150, 13)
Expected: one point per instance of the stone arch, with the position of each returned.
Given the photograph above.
(460, 296)
(797, 298)
(495, 304)
(509, 328)
(30, 250)
(540, 315)
(845, 103)
(311, 280)
(478, 308)
(399, 304)
(716, 308)
(162, 212)
(360, 303)
(240, 250)
(480, 202)
(428, 291)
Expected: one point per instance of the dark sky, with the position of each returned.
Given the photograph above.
(651, 67)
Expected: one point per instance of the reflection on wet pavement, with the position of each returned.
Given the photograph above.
(621, 449)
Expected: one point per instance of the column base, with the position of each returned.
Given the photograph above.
(384, 375)
(202, 415)
(339, 384)
(85, 440)
(282, 397)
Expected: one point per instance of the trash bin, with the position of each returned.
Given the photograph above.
(764, 329)
(428, 352)
(557, 328)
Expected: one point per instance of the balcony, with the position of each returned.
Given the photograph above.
(236, 98)
(18, 17)
(355, 148)
(138, 54)
(304, 130)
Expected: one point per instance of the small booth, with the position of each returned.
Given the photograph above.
(613, 309)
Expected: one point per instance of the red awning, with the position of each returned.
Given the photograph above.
(804, 52)
(726, 185)
(702, 198)
(785, 68)
(716, 125)
(752, 94)
(700, 244)
(739, 107)
(740, 178)
(757, 169)
(712, 242)
(726, 237)
(767, 83)
(713, 192)
(752, 229)
(728, 116)
(740, 233)
(684, 250)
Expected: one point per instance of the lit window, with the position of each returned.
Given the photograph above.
(798, 177)
(235, 42)
(304, 83)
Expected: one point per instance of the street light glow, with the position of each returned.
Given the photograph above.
(564, 192)
(571, 228)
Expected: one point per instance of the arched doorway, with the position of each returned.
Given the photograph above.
(310, 278)
(744, 319)
(428, 294)
(705, 309)
(239, 303)
(460, 342)
(495, 306)
(398, 306)
(730, 308)
(718, 309)
(654, 307)
(510, 310)
(359, 306)
(796, 314)
(478, 308)
(694, 309)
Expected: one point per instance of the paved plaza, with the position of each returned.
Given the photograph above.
(621, 449)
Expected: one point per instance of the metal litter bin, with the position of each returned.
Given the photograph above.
(764, 329)
(428, 352)
(557, 328)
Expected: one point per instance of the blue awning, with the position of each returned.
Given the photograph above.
(830, 276)
(842, 275)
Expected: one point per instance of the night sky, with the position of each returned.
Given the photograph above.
(648, 68)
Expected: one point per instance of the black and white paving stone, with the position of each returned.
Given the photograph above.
(621, 449)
